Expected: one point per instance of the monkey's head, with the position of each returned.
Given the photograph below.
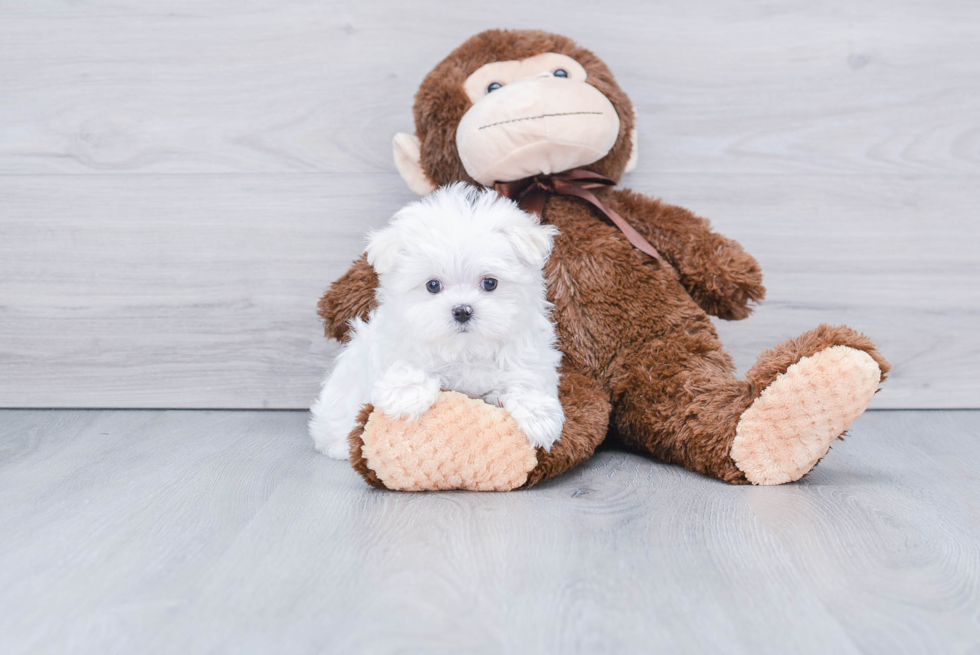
(509, 104)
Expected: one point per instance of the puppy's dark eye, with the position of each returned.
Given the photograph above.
(433, 286)
(561, 72)
(489, 284)
(494, 86)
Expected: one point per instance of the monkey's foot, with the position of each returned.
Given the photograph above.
(458, 443)
(792, 423)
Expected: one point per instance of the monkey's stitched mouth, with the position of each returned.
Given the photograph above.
(534, 118)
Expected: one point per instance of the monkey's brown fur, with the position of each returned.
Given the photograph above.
(641, 356)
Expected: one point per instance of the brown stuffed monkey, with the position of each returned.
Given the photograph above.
(642, 361)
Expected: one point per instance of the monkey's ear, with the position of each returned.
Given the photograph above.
(634, 152)
(408, 156)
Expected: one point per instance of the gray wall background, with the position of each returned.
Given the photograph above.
(180, 181)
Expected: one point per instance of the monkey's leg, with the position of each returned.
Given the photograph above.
(461, 443)
(685, 405)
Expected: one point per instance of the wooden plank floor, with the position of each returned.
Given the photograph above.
(217, 531)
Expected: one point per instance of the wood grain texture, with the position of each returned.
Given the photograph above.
(180, 181)
(200, 292)
(191, 532)
(775, 88)
(188, 292)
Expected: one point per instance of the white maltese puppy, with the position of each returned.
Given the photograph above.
(461, 306)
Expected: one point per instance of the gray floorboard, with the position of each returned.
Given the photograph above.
(216, 531)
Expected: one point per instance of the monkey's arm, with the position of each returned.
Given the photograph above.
(350, 296)
(720, 276)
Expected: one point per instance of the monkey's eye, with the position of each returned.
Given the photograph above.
(489, 284)
(494, 86)
(433, 286)
(561, 72)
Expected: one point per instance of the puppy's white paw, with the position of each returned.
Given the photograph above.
(539, 417)
(336, 450)
(329, 437)
(404, 392)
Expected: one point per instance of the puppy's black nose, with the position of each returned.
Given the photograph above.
(462, 313)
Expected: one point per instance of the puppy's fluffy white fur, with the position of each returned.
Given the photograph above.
(412, 345)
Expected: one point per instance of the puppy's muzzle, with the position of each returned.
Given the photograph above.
(462, 313)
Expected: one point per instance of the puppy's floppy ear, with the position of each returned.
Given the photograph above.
(383, 248)
(531, 242)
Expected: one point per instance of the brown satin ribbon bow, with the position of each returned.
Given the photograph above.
(531, 193)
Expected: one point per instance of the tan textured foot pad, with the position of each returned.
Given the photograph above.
(792, 423)
(459, 443)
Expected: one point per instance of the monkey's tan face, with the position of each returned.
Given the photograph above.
(534, 116)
